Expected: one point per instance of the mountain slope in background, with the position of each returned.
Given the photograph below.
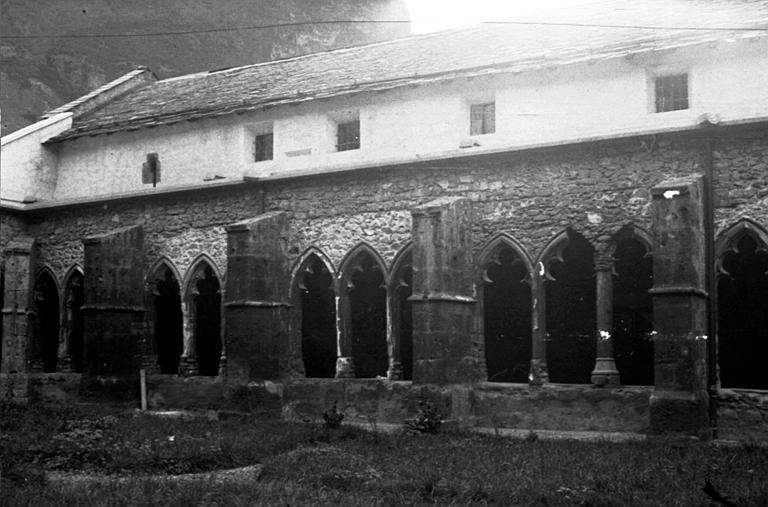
(39, 74)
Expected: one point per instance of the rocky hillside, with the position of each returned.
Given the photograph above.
(40, 73)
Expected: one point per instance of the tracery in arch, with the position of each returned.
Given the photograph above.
(570, 309)
(633, 307)
(363, 280)
(47, 325)
(743, 306)
(168, 325)
(204, 300)
(506, 302)
(317, 305)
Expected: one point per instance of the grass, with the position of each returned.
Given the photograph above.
(307, 464)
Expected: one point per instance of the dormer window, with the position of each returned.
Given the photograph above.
(348, 135)
(671, 92)
(263, 146)
(482, 119)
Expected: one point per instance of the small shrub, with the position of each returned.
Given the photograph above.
(428, 420)
(333, 417)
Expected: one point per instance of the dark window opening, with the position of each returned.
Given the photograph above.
(403, 290)
(348, 136)
(633, 313)
(671, 92)
(482, 119)
(368, 306)
(150, 170)
(208, 323)
(47, 309)
(507, 314)
(169, 339)
(75, 299)
(571, 315)
(262, 147)
(318, 319)
(743, 316)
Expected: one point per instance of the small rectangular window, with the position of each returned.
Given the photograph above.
(150, 170)
(263, 147)
(482, 118)
(348, 135)
(671, 92)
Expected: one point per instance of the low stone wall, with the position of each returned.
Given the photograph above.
(742, 414)
(561, 407)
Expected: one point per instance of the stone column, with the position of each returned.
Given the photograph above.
(256, 297)
(114, 336)
(446, 345)
(345, 365)
(605, 372)
(395, 371)
(188, 359)
(679, 402)
(17, 328)
(539, 373)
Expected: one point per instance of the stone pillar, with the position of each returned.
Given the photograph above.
(256, 297)
(605, 372)
(539, 373)
(679, 402)
(395, 370)
(345, 365)
(114, 336)
(446, 346)
(188, 359)
(17, 305)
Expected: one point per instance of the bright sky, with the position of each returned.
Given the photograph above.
(432, 15)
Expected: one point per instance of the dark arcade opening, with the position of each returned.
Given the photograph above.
(2, 307)
(47, 309)
(403, 291)
(169, 336)
(633, 312)
(743, 316)
(507, 314)
(571, 314)
(368, 313)
(208, 323)
(74, 301)
(318, 319)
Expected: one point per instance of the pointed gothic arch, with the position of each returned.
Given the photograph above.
(202, 308)
(313, 295)
(363, 311)
(72, 321)
(568, 265)
(630, 251)
(504, 276)
(742, 300)
(47, 326)
(166, 320)
(400, 288)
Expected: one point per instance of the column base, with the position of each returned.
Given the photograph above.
(66, 364)
(605, 372)
(395, 371)
(539, 373)
(345, 367)
(188, 366)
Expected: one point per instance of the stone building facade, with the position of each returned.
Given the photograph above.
(607, 273)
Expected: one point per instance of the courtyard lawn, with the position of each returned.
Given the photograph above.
(307, 464)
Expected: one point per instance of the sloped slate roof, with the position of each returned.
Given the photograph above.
(582, 33)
